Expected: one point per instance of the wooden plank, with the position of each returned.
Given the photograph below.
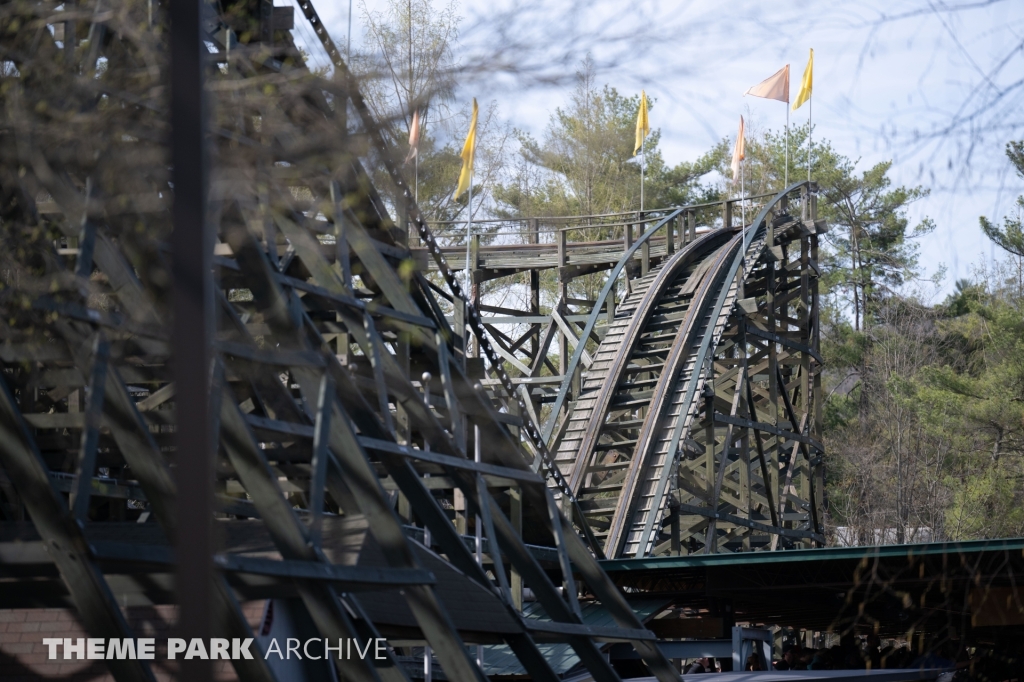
(521, 475)
(597, 632)
(348, 576)
(785, 341)
(709, 513)
(768, 428)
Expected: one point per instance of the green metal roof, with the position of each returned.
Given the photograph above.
(805, 555)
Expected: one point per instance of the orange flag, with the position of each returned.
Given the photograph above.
(414, 137)
(738, 153)
(774, 87)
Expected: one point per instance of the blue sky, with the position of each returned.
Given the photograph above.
(936, 87)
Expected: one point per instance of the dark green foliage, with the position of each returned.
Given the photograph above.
(585, 164)
(1011, 236)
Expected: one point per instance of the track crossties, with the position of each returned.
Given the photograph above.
(695, 426)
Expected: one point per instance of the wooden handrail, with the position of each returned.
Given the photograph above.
(649, 216)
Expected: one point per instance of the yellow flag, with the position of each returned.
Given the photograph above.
(468, 152)
(642, 125)
(805, 84)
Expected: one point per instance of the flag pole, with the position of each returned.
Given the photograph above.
(810, 139)
(786, 183)
(476, 429)
(743, 196)
(416, 171)
(743, 226)
(743, 206)
(469, 228)
(643, 169)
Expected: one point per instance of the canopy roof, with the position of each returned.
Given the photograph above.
(930, 587)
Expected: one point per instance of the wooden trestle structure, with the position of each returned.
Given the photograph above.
(690, 420)
(388, 459)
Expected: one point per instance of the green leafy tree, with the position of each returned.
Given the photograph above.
(870, 249)
(585, 165)
(411, 66)
(585, 162)
(686, 182)
(886, 460)
(933, 433)
(1011, 235)
(976, 395)
(587, 153)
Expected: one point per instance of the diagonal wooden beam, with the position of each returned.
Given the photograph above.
(570, 335)
(291, 539)
(539, 360)
(710, 541)
(91, 432)
(64, 538)
(143, 456)
(351, 460)
(318, 480)
(501, 349)
(751, 406)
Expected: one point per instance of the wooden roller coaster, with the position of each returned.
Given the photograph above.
(688, 421)
(390, 460)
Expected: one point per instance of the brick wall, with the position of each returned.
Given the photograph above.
(23, 657)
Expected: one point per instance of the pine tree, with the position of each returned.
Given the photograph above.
(1011, 236)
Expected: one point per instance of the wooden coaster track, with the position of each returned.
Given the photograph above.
(346, 422)
(369, 416)
(637, 459)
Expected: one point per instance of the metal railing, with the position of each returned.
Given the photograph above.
(593, 228)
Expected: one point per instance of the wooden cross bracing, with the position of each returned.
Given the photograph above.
(345, 407)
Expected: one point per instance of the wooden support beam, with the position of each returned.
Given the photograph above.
(192, 244)
(516, 519)
(64, 537)
(91, 431)
(290, 538)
